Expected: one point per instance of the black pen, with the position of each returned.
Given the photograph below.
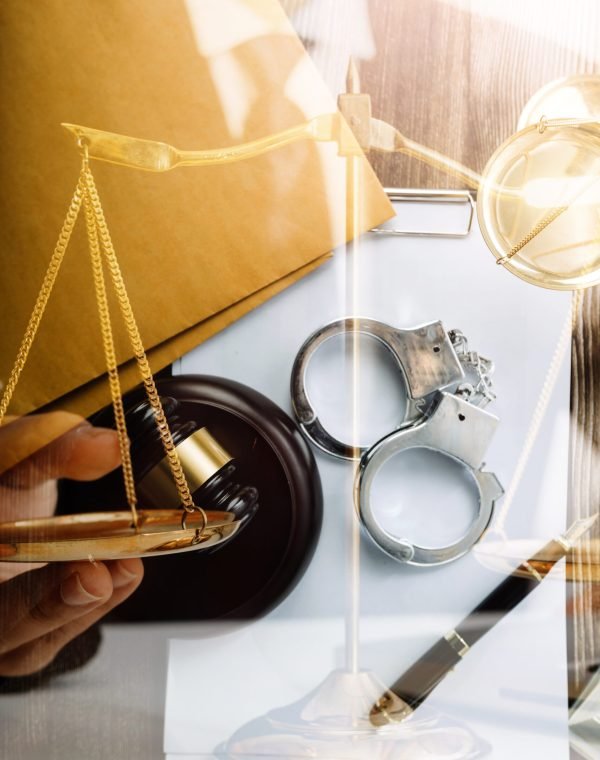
(417, 683)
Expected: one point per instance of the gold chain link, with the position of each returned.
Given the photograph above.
(100, 242)
(140, 354)
(539, 227)
(111, 360)
(43, 295)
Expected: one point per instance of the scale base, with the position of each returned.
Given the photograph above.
(332, 723)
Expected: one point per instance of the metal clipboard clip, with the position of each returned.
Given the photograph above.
(446, 197)
(377, 135)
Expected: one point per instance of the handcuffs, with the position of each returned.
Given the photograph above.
(447, 386)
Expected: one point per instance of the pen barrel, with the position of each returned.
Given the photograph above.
(509, 593)
(415, 684)
(494, 607)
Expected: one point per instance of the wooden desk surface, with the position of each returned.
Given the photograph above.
(455, 75)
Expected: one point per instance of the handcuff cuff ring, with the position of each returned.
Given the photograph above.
(425, 357)
(432, 363)
(453, 428)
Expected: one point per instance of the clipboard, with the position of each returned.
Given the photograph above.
(405, 281)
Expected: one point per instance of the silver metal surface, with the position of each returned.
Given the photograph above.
(445, 197)
(456, 429)
(425, 357)
(477, 389)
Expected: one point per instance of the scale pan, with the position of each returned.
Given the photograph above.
(538, 205)
(576, 97)
(110, 535)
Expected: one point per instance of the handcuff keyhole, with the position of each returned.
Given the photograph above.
(462, 417)
(436, 349)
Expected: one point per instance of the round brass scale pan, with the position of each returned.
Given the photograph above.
(537, 204)
(110, 535)
(575, 97)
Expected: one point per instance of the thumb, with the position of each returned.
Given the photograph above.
(84, 453)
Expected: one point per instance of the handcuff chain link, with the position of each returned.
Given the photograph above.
(480, 392)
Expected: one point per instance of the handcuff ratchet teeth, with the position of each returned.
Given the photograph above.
(425, 356)
(446, 386)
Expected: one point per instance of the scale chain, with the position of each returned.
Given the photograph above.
(100, 242)
(44, 294)
(140, 354)
(109, 353)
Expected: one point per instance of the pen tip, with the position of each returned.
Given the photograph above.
(580, 527)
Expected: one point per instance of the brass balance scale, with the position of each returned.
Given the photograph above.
(133, 532)
(544, 177)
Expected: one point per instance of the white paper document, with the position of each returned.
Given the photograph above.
(509, 694)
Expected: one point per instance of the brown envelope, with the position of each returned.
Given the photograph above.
(199, 247)
(95, 394)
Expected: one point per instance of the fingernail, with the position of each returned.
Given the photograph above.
(121, 575)
(89, 431)
(74, 594)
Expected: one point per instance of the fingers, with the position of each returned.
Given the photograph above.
(84, 453)
(20, 437)
(87, 454)
(44, 609)
(28, 490)
(40, 601)
(84, 596)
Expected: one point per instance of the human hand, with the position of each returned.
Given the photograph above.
(42, 610)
